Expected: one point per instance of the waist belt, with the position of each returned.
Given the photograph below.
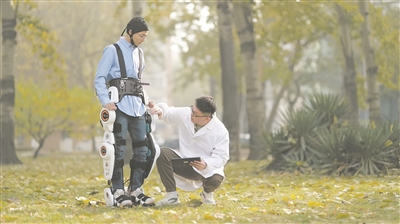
(127, 86)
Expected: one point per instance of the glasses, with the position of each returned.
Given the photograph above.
(194, 113)
(142, 36)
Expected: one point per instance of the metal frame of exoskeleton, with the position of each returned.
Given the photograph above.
(107, 149)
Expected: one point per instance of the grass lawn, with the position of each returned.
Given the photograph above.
(69, 189)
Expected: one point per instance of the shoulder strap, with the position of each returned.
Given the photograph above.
(140, 63)
(121, 61)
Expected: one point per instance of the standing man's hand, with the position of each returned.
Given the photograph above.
(110, 106)
(200, 165)
(151, 104)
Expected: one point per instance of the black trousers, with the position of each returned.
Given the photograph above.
(166, 171)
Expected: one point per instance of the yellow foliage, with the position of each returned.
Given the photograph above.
(285, 199)
(384, 205)
(67, 196)
(359, 195)
(271, 201)
(388, 143)
(208, 216)
(39, 111)
(335, 120)
(343, 215)
(315, 204)
(254, 209)
(292, 196)
(372, 125)
(85, 109)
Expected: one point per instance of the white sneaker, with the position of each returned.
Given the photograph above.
(208, 198)
(139, 198)
(121, 199)
(171, 199)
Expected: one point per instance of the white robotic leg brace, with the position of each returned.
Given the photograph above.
(107, 150)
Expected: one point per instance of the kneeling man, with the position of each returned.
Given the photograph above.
(201, 134)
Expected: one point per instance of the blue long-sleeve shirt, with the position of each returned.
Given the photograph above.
(108, 68)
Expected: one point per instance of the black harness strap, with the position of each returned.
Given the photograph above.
(121, 61)
(122, 68)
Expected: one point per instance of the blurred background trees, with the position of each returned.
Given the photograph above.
(7, 151)
(259, 59)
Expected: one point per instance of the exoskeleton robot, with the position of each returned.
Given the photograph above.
(107, 149)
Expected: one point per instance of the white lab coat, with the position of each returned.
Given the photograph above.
(211, 143)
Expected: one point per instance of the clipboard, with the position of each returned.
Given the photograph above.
(178, 162)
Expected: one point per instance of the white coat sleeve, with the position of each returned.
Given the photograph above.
(171, 115)
(220, 154)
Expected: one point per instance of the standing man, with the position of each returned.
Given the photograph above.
(201, 134)
(130, 110)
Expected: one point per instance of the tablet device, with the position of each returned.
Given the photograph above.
(183, 161)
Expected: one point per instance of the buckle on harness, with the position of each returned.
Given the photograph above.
(128, 86)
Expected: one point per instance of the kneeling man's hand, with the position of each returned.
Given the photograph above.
(156, 110)
(200, 165)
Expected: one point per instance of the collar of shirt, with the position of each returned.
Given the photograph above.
(126, 43)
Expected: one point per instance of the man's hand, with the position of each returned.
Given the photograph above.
(110, 106)
(156, 110)
(151, 104)
(200, 165)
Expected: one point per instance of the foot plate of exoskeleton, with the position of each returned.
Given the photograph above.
(108, 197)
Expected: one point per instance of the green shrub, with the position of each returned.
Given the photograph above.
(332, 156)
(369, 150)
(394, 140)
(317, 138)
(289, 146)
(333, 109)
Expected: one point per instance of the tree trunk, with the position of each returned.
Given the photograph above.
(372, 68)
(349, 75)
(229, 79)
(213, 86)
(41, 143)
(274, 109)
(137, 8)
(255, 106)
(7, 95)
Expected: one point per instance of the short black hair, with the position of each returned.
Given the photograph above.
(137, 24)
(206, 105)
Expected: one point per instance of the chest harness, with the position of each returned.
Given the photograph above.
(125, 85)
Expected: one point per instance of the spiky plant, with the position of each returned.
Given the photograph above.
(290, 144)
(393, 128)
(301, 126)
(331, 155)
(275, 142)
(333, 109)
(277, 147)
(369, 151)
